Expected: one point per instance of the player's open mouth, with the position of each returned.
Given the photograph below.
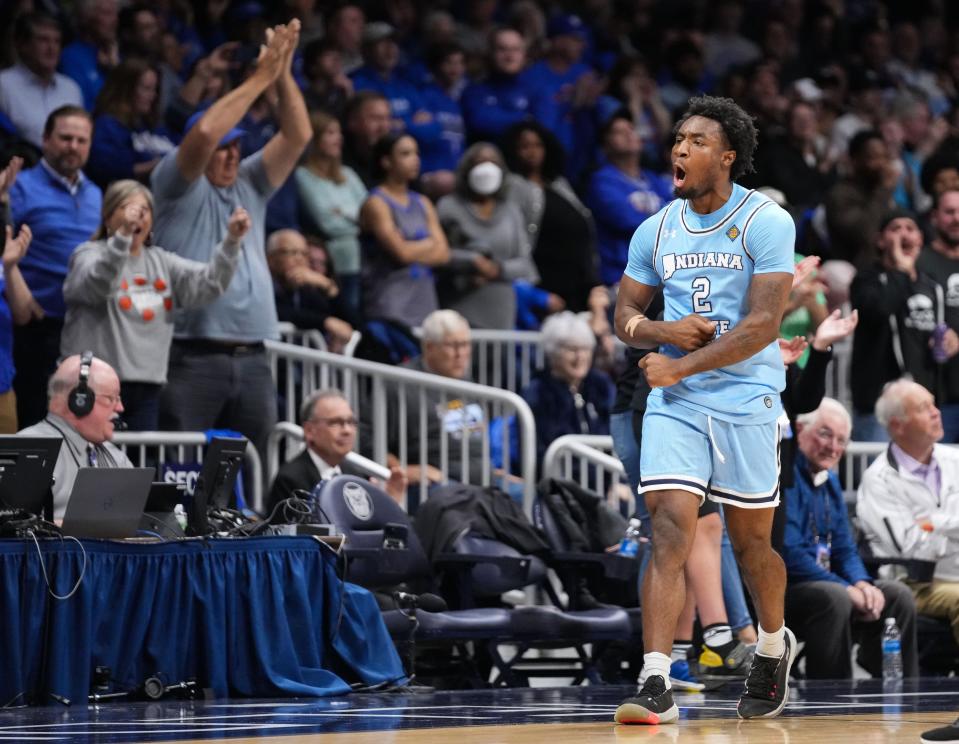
(679, 176)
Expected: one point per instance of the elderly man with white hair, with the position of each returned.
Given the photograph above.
(83, 408)
(831, 600)
(568, 396)
(909, 497)
(446, 351)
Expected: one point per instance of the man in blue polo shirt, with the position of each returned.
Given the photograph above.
(62, 208)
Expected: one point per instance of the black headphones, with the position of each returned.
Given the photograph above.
(81, 399)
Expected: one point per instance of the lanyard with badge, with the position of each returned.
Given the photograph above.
(823, 550)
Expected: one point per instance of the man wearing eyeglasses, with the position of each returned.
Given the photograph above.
(329, 431)
(831, 600)
(86, 439)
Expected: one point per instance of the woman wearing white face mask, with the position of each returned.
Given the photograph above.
(489, 243)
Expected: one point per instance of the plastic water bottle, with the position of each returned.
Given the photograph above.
(938, 343)
(891, 652)
(629, 545)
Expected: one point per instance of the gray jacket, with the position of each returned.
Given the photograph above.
(122, 307)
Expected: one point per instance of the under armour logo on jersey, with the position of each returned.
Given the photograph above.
(669, 234)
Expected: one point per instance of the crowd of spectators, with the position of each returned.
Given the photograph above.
(540, 132)
(361, 165)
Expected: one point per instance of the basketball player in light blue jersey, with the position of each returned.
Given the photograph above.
(724, 258)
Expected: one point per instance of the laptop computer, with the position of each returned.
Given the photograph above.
(107, 502)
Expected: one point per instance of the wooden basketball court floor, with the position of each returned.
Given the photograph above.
(854, 712)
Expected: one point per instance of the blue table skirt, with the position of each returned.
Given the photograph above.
(245, 617)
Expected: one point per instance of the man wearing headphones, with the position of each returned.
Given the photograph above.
(83, 408)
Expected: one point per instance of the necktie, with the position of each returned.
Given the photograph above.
(91, 456)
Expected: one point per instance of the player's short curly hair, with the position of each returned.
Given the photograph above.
(736, 124)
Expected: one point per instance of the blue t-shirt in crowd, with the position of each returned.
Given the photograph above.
(116, 148)
(79, 61)
(405, 101)
(61, 218)
(444, 152)
(283, 209)
(493, 106)
(619, 204)
(553, 108)
(706, 263)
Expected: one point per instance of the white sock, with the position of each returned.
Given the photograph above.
(655, 663)
(680, 650)
(718, 635)
(771, 644)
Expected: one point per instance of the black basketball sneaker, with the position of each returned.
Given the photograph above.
(943, 734)
(653, 704)
(767, 684)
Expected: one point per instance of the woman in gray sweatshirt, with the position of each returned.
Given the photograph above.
(122, 293)
(489, 242)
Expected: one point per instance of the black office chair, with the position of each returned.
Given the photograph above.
(382, 551)
(596, 570)
(533, 627)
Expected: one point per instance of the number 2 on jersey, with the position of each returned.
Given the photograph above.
(700, 302)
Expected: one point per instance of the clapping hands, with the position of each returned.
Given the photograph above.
(276, 55)
(834, 328)
(792, 349)
(16, 248)
(9, 174)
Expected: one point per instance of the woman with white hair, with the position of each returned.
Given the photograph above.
(568, 396)
(122, 292)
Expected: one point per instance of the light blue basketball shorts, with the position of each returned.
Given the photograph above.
(683, 449)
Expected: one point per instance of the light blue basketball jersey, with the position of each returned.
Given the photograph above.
(705, 264)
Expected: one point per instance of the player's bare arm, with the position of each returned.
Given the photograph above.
(767, 300)
(635, 329)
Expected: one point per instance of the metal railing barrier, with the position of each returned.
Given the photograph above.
(585, 458)
(388, 398)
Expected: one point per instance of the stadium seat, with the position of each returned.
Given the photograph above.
(382, 552)
(595, 569)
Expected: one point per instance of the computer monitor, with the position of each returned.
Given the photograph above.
(26, 473)
(214, 487)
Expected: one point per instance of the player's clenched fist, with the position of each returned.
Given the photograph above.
(660, 370)
(692, 332)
